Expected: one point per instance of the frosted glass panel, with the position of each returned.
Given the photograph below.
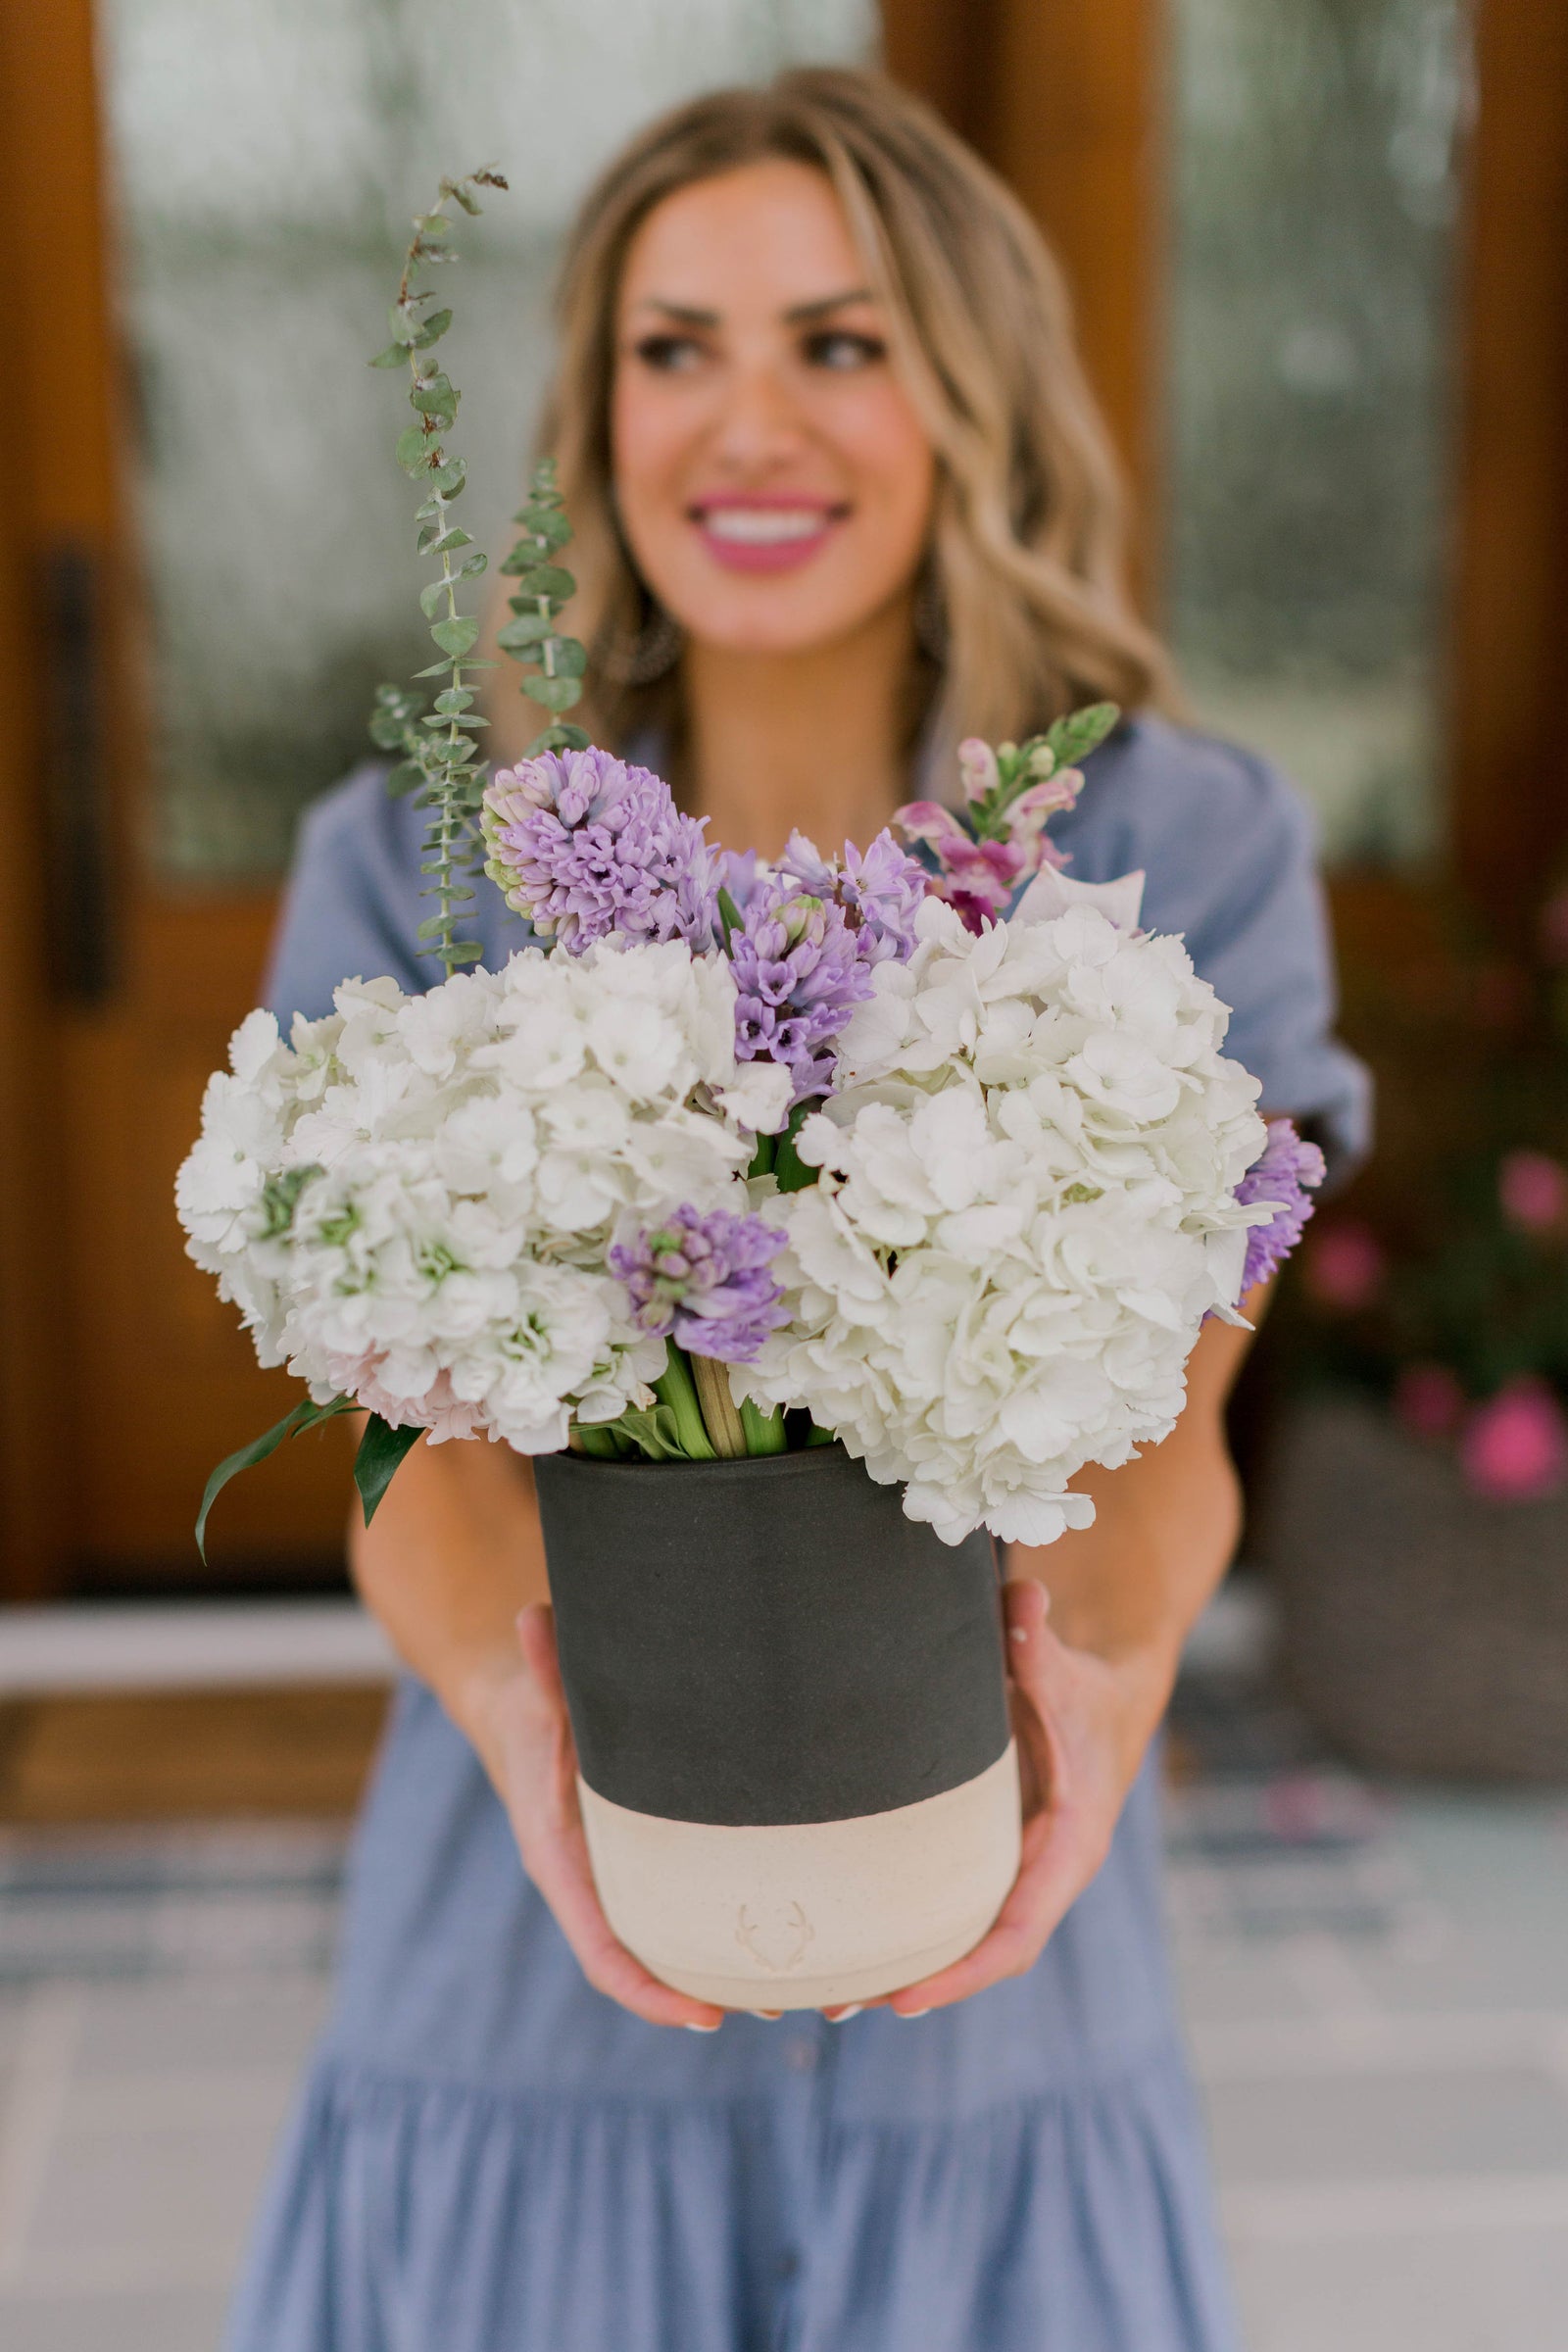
(1317, 153)
(267, 152)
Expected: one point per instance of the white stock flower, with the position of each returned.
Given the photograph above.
(413, 1200)
(1026, 1208)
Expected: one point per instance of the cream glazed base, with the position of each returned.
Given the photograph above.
(811, 1914)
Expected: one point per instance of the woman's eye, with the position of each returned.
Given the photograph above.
(838, 347)
(672, 355)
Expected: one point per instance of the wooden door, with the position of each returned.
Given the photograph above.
(123, 1378)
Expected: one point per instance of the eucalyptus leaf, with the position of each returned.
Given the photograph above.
(527, 631)
(546, 580)
(414, 450)
(450, 477)
(554, 694)
(395, 356)
(457, 635)
(434, 327)
(430, 599)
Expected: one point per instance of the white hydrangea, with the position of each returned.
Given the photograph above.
(1026, 1208)
(411, 1201)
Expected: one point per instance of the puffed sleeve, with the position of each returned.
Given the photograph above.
(1227, 846)
(353, 907)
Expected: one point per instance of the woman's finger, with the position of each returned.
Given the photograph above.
(555, 1848)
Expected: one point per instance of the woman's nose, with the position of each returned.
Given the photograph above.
(760, 422)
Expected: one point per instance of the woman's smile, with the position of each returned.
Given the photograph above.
(756, 530)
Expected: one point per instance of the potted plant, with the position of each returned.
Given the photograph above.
(1416, 1522)
(741, 1199)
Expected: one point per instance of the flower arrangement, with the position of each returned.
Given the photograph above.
(921, 1146)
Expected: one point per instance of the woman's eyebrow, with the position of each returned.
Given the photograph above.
(800, 313)
(685, 312)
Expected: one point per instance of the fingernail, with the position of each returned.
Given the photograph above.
(691, 2028)
(770, 2014)
(912, 2012)
(854, 2010)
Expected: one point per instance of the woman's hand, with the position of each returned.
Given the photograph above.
(517, 1718)
(1082, 1722)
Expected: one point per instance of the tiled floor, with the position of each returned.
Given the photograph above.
(1377, 1989)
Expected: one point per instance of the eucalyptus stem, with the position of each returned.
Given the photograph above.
(440, 761)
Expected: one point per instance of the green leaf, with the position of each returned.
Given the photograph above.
(563, 658)
(1074, 737)
(457, 635)
(527, 631)
(432, 226)
(554, 694)
(454, 701)
(430, 599)
(543, 580)
(437, 401)
(306, 1415)
(450, 477)
(730, 916)
(791, 1173)
(437, 670)
(472, 565)
(414, 451)
(821, 1436)
(404, 778)
(381, 1448)
(546, 523)
(395, 356)
(655, 1433)
(434, 327)
(436, 541)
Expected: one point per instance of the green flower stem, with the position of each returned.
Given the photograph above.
(719, 1409)
(676, 1388)
(764, 1432)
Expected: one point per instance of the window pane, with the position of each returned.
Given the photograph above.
(268, 154)
(1317, 170)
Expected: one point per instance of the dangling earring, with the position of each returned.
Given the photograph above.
(649, 654)
(931, 631)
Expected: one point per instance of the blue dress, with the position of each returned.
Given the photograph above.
(488, 2156)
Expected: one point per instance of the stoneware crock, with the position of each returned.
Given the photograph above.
(796, 1767)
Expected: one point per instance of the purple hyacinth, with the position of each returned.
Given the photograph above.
(585, 846)
(798, 978)
(706, 1281)
(879, 889)
(1287, 1169)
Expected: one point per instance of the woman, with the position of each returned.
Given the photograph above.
(840, 497)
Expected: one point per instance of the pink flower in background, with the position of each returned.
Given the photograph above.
(1532, 1190)
(1344, 1266)
(1515, 1448)
(1428, 1401)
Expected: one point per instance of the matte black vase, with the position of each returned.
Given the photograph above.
(797, 1771)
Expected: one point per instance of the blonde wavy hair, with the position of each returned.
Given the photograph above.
(1025, 566)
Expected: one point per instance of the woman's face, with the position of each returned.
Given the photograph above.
(773, 480)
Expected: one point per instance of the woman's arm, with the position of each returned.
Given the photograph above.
(1092, 1682)
(454, 1567)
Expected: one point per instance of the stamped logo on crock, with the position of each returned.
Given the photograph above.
(775, 1933)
